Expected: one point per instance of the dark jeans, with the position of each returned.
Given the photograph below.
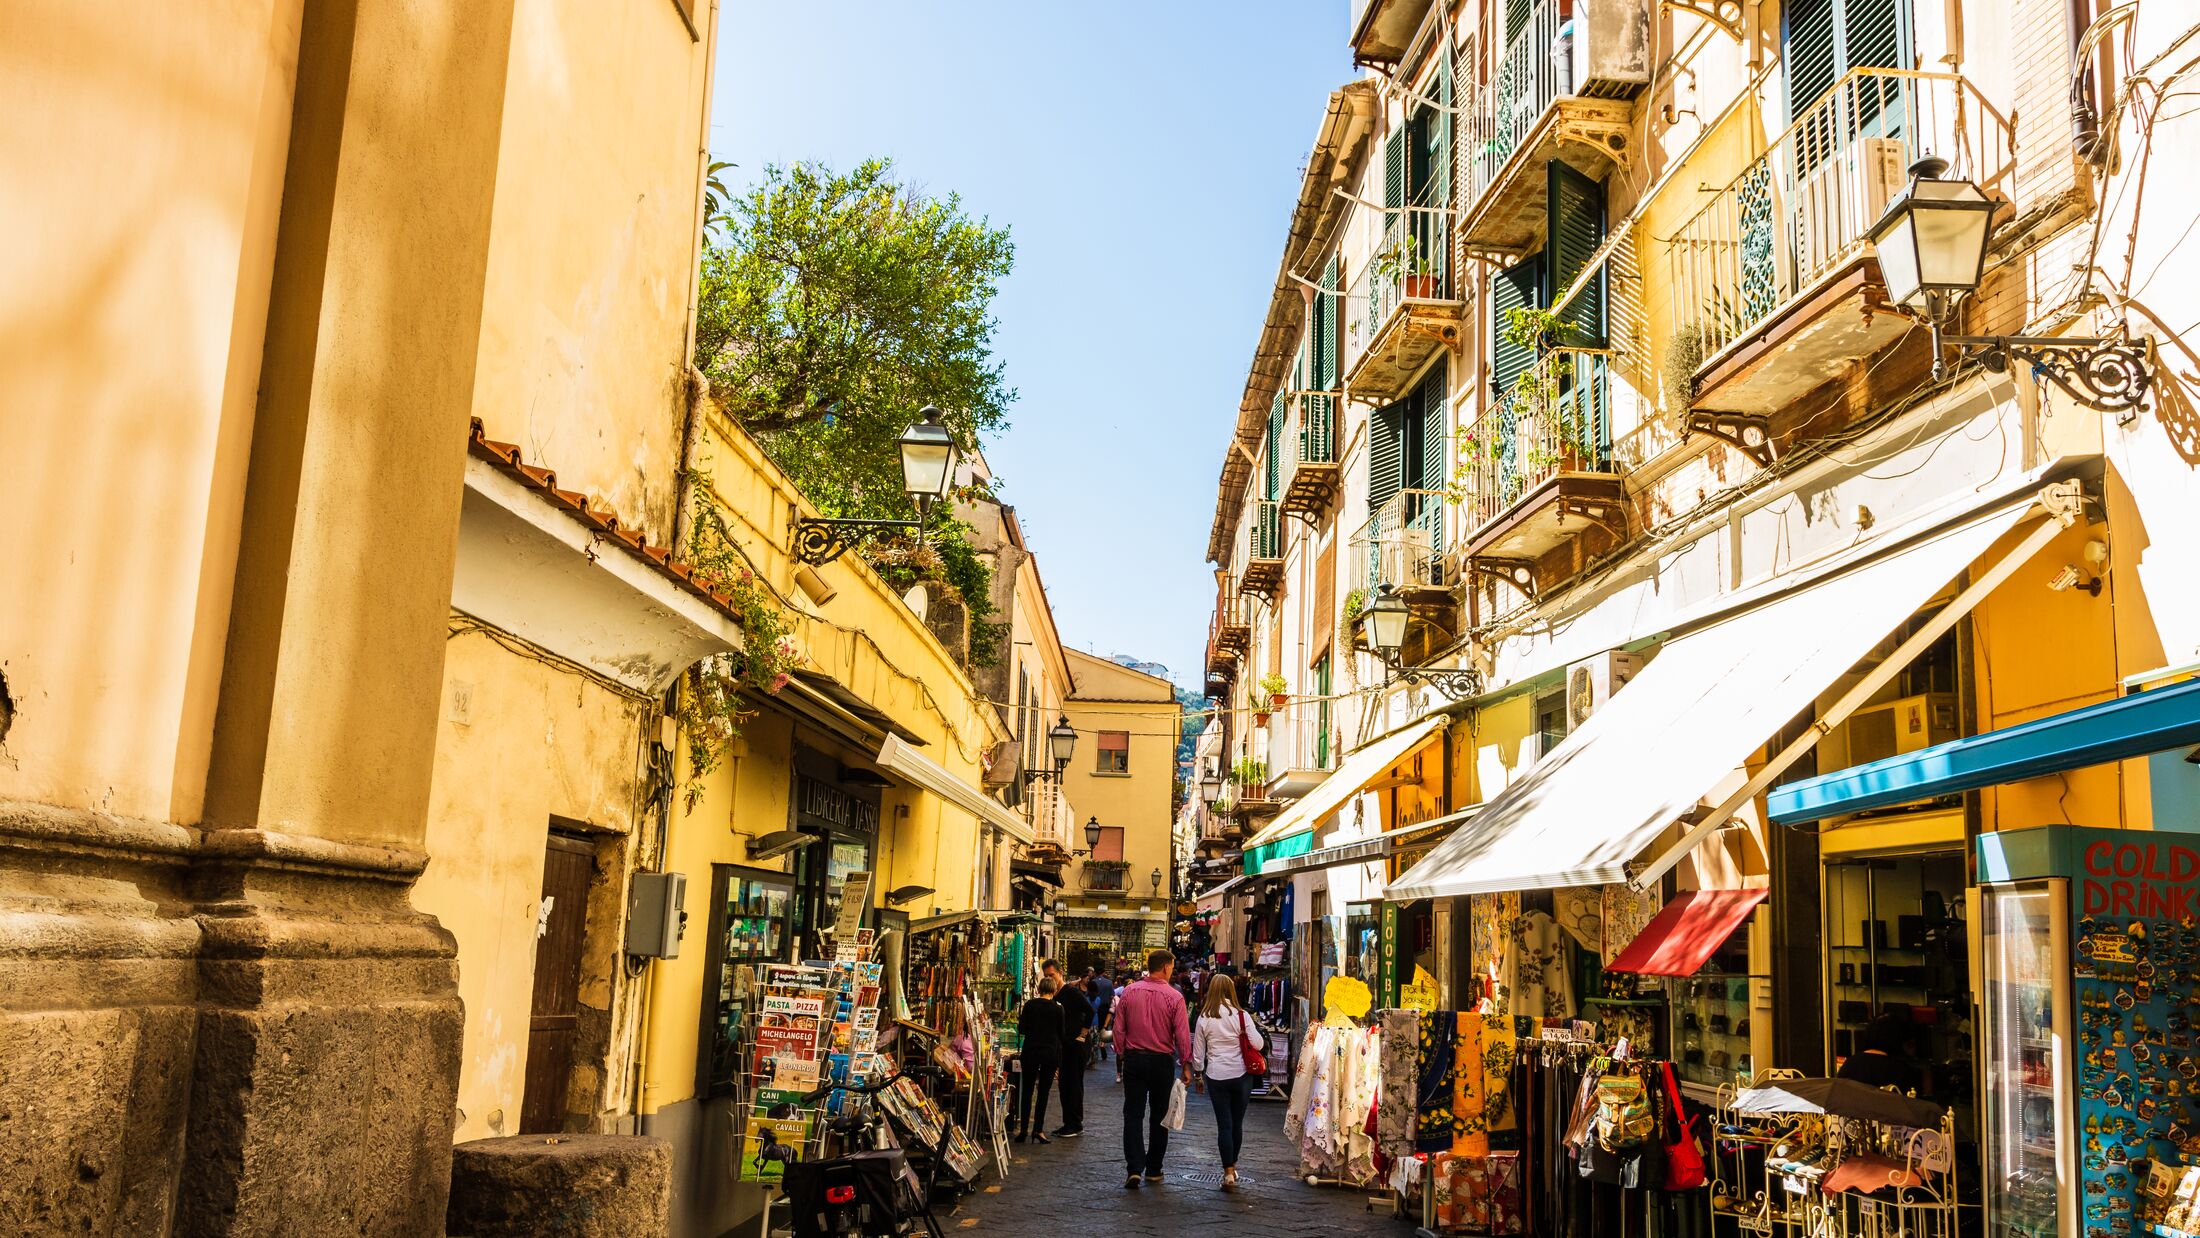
(1147, 1080)
(1031, 1099)
(1230, 1097)
(1073, 1089)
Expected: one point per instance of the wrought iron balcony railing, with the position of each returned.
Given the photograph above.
(1799, 211)
(1402, 544)
(1556, 418)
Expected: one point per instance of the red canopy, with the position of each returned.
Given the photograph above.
(1689, 930)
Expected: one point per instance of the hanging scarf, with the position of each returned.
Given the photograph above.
(1401, 1033)
(1470, 1130)
(1432, 1105)
(1499, 1052)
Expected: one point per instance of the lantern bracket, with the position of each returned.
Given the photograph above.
(1455, 685)
(818, 540)
(2106, 375)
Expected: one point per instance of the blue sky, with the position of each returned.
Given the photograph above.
(1145, 155)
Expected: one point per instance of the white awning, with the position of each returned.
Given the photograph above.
(898, 756)
(1695, 713)
(1359, 769)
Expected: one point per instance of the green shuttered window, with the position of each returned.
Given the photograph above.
(1824, 39)
(1515, 287)
(1576, 230)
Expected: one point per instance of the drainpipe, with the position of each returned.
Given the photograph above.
(697, 388)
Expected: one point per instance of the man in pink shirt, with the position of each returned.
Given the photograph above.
(1153, 1041)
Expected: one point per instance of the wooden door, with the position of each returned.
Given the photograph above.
(567, 865)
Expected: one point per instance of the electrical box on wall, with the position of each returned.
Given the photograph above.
(656, 915)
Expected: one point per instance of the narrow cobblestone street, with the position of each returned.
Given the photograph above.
(1079, 1182)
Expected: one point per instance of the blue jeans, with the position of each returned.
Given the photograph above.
(1230, 1097)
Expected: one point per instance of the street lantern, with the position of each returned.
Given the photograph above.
(1092, 834)
(927, 470)
(927, 459)
(1157, 881)
(1931, 241)
(1210, 782)
(1062, 742)
(1386, 621)
(1386, 631)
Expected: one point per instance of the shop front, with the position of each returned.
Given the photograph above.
(2086, 1099)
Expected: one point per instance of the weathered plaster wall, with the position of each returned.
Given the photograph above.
(584, 341)
(531, 741)
(144, 171)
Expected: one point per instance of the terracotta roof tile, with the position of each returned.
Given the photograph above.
(585, 508)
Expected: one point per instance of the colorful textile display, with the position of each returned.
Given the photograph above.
(1499, 1053)
(1434, 1070)
(1470, 1133)
(1400, 1032)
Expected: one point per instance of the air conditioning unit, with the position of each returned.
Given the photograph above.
(1906, 724)
(1612, 44)
(1591, 682)
(1405, 557)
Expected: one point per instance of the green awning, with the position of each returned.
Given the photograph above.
(1278, 849)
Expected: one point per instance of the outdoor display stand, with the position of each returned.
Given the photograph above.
(1798, 1157)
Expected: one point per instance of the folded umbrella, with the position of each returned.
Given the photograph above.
(1841, 1098)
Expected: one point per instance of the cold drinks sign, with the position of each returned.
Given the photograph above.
(2150, 880)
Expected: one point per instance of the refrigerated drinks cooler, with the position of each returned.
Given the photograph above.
(2090, 962)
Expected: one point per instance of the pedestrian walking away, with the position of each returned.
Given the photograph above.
(1153, 1045)
(1077, 1037)
(1218, 1055)
(1040, 1025)
(1102, 992)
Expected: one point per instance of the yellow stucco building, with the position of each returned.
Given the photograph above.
(1117, 900)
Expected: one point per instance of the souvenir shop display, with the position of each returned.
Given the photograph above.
(2090, 948)
(1498, 1125)
(1832, 1158)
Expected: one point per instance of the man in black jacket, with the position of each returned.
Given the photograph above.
(1039, 1023)
(1077, 1033)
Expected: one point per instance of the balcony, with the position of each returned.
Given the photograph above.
(1096, 879)
(1536, 470)
(1775, 288)
(1301, 748)
(1415, 305)
(1229, 631)
(1540, 107)
(1383, 30)
(1402, 545)
(1262, 575)
(1312, 473)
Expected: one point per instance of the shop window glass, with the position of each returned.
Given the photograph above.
(1712, 1022)
(751, 921)
(1897, 950)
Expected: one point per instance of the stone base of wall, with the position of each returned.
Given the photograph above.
(226, 1032)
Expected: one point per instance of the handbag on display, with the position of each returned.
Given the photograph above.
(1256, 1062)
(1684, 1169)
(1624, 1121)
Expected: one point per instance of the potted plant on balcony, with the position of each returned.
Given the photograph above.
(1403, 264)
(1249, 772)
(1275, 689)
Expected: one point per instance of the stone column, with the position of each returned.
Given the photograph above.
(239, 1025)
(325, 1075)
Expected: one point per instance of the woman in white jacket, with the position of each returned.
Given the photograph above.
(1216, 1056)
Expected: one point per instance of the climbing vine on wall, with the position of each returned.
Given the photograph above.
(718, 694)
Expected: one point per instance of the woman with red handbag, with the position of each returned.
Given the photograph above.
(1226, 1053)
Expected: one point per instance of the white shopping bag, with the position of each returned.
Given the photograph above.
(1174, 1118)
